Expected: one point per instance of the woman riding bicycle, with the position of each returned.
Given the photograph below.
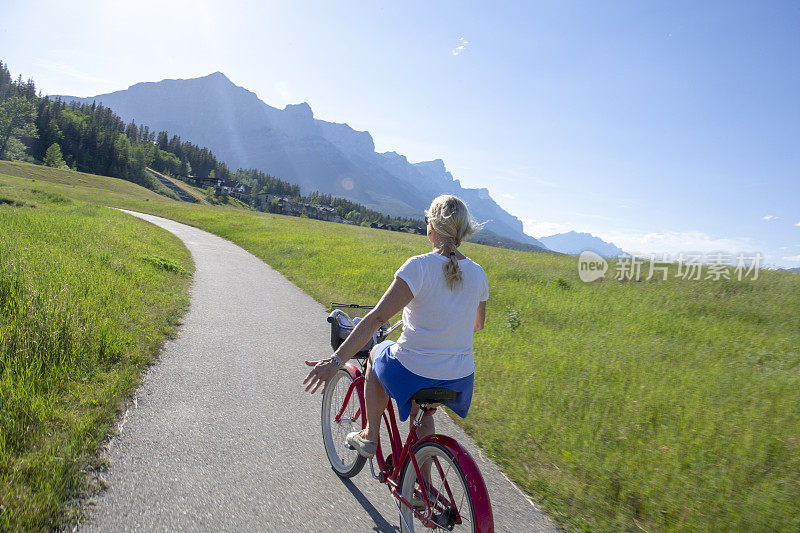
(443, 297)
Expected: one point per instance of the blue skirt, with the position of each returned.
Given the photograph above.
(401, 384)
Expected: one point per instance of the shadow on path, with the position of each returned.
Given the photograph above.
(381, 525)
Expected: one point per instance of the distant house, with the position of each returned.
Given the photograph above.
(290, 207)
(207, 182)
(240, 190)
(223, 187)
(324, 212)
(263, 200)
(286, 206)
(404, 229)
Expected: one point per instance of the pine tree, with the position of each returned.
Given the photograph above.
(17, 116)
(163, 140)
(53, 157)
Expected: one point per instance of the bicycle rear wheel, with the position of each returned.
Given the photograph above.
(450, 505)
(345, 462)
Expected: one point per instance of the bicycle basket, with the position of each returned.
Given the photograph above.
(341, 328)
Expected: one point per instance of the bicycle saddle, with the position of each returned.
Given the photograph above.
(435, 395)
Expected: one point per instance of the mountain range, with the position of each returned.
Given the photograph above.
(291, 144)
(573, 243)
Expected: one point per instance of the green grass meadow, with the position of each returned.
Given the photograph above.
(619, 406)
(87, 296)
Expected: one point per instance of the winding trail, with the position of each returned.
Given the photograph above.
(221, 436)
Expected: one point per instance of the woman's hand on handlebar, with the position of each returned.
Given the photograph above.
(397, 296)
(320, 374)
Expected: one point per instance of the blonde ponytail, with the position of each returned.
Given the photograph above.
(450, 218)
(452, 272)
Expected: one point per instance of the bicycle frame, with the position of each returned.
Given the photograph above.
(390, 471)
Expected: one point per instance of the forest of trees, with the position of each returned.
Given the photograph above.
(89, 138)
(93, 139)
(357, 213)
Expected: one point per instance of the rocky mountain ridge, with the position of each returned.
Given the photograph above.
(293, 145)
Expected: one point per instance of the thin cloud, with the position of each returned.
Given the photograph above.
(769, 217)
(792, 258)
(674, 242)
(798, 224)
(508, 196)
(462, 45)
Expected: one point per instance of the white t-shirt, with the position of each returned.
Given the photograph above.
(438, 323)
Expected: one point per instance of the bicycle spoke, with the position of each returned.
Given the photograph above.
(442, 488)
(461, 504)
(345, 425)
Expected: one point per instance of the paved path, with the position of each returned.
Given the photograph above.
(221, 435)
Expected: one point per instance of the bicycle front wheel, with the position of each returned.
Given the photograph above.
(449, 506)
(345, 462)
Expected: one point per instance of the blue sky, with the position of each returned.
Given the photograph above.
(660, 126)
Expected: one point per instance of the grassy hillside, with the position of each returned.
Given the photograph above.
(663, 405)
(87, 295)
(194, 192)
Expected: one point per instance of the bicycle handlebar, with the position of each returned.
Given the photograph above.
(392, 328)
(337, 313)
(382, 332)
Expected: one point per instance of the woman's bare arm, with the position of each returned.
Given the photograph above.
(397, 296)
(480, 316)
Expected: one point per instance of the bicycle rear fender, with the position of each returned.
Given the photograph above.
(476, 486)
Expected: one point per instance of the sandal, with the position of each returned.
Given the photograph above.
(365, 448)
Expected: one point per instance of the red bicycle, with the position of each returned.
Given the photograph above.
(434, 481)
